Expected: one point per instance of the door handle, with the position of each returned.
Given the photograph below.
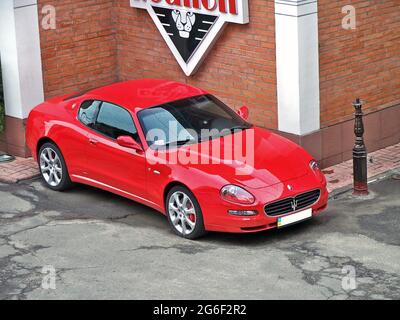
(93, 141)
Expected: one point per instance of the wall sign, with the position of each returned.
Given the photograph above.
(191, 27)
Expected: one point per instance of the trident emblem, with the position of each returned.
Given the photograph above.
(294, 204)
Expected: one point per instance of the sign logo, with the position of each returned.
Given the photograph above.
(191, 27)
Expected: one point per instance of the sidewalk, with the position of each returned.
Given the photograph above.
(380, 161)
(17, 170)
(338, 176)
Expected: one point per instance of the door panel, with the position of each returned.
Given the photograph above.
(116, 166)
(108, 162)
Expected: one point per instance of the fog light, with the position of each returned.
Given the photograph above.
(242, 212)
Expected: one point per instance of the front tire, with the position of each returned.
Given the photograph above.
(184, 213)
(53, 168)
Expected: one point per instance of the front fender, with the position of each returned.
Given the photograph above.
(202, 184)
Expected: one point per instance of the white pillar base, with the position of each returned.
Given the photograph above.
(297, 60)
(20, 56)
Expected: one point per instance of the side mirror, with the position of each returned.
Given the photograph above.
(243, 112)
(129, 142)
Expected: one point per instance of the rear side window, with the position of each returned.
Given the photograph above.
(114, 121)
(87, 112)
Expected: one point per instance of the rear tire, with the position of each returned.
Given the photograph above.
(184, 213)
(52, 167)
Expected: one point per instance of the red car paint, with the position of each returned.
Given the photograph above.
(91, 159)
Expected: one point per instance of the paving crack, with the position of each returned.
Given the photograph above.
(326, 272)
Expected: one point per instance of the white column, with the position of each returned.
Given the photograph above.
(297, 62)
(20, 56)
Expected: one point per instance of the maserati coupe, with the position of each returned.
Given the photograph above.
(169, 146)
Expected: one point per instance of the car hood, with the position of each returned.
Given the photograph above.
(275, 160)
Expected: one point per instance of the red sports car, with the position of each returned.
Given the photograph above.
(179, 150)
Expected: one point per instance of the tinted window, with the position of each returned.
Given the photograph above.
(114, 121)
(87, 112)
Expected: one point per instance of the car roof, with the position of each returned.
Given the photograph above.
(144, 93)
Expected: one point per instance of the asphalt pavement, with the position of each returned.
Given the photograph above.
(89, 244)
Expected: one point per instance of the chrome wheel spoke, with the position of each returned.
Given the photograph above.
(176, 221)
(190, 211)
(177, 200)
(51, 177)
(45, 167)
(57, 179)
(184, 227)
(174, 208)
(190, 223)
(49, 155)
(44, 157)
(185, 201)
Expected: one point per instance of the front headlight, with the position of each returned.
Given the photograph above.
(317, 171)
(236, 194)
(314, 165)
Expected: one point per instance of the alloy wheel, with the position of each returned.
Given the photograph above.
(182, 213)
(50, 167)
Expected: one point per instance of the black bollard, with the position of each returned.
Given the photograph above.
(359, 154)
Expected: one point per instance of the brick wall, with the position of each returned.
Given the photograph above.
(98, 42)
(101, 41)
(81, 52)
(364, 62)
(240, 69)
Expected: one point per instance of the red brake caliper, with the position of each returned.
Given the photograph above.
(192, 217)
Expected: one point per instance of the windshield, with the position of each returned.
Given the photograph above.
(193, 119)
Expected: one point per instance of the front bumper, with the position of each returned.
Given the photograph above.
(217, 218)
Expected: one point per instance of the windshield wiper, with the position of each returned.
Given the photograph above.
(178, 143)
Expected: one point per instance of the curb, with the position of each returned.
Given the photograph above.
(336, 193)
(12, 181)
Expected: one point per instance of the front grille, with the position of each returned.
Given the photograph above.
(292, 204)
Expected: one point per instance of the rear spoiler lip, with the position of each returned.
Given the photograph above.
(59, 99)
(67, 97)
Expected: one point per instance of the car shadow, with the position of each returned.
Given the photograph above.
(260, 238)
(94, 203)
(109, 206)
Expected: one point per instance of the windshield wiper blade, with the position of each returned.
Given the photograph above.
(178, 143)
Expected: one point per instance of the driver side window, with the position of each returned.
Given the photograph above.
(108, 119)
(114, 121)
